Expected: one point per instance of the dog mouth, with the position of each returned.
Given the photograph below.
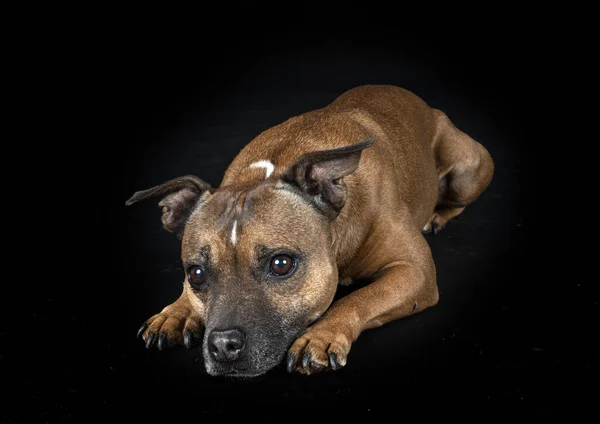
(249, 367)
(242, 373)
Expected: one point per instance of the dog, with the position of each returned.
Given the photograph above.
(332, 196)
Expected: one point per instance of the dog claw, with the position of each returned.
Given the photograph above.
(290, 363)
(149, 340)
(141, 330)
(161, 341)
(333, 361)
(187, 339)
(306, 359)
(435, 227)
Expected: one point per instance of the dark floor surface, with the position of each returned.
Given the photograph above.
(493, 349)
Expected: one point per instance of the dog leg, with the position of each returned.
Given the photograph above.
(465, 169)
(177, 323)
(402, 287)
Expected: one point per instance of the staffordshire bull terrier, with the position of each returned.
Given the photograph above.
(335, 195)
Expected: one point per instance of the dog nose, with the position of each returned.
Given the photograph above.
(226, 346)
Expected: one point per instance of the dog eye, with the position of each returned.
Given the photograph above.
(282, 265)
(196, 276)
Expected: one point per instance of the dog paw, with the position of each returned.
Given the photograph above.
(171, 327)
(435, 225)
(318, 350)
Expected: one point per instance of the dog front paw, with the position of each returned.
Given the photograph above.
(318, 350)
(172, 326)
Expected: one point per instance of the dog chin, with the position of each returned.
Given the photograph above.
(233, 371)
(246, 369)
(238, 374)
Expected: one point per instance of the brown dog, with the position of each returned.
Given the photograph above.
(297, 213)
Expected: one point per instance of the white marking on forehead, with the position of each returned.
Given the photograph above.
(234, 233)
(267, 164)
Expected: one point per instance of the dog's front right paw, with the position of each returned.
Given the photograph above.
(172, 326)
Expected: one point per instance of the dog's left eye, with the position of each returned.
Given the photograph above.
(282, 265)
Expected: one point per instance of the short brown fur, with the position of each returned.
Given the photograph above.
(420, 172)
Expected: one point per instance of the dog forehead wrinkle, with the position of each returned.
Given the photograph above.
(196, 254)
(267, 164)
(239, 214)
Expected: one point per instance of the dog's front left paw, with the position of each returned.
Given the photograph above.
(318, 350)
(172, 326)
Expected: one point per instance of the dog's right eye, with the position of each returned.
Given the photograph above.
(196, 276)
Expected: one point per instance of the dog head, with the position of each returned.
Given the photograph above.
(257, 256)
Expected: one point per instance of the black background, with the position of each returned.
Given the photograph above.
(166, 105)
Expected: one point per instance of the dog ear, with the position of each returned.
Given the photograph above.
(182, 194)
(320, 175)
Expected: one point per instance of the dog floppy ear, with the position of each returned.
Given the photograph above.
(182, 194)
(320, 175)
